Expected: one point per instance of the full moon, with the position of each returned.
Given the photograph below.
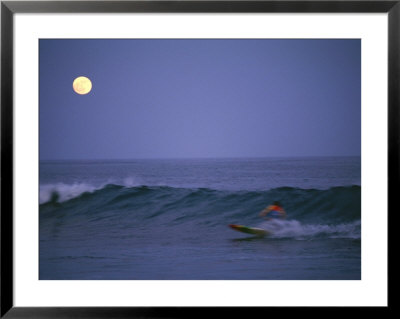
(82, 85)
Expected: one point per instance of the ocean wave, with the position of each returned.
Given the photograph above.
(337, 205)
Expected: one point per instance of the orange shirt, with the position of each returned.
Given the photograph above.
(276, 208)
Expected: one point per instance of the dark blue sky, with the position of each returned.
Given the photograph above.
(200, 98)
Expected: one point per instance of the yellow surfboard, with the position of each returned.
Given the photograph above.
(250, 230)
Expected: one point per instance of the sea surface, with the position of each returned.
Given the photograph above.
(168, 219)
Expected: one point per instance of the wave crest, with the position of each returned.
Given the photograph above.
(61, 192)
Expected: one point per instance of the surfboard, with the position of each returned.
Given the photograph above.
(250, 230)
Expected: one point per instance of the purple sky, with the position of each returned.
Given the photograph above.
(200, 98)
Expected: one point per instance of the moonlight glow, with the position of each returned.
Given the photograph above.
(82, 85)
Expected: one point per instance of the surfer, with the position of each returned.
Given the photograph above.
(274, 211)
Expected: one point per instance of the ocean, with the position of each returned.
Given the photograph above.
(167, 219)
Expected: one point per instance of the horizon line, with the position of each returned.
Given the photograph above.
(192, 158)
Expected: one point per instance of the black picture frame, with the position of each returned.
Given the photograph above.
(9, 8)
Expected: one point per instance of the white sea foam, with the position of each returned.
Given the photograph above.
(63, 191)
(295, 229)
(130, 181)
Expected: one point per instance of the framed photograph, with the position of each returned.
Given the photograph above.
(161, 158)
